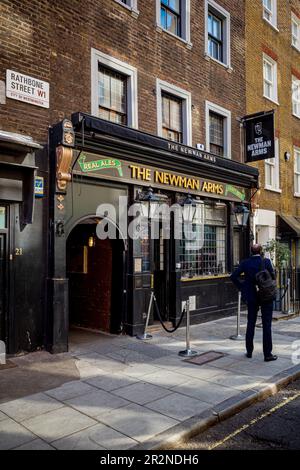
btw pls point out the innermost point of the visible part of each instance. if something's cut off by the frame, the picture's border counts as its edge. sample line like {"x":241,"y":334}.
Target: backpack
{"x":265,"y":285}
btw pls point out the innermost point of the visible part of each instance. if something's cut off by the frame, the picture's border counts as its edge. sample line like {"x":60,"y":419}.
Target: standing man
{"x":250,"y":267}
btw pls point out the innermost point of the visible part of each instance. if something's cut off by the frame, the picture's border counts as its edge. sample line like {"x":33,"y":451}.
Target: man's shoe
{"x":270,"y":358}
{"x":249,"y":355}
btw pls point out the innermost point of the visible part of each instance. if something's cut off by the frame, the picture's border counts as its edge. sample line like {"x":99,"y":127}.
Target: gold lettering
{"x":159,"y":177}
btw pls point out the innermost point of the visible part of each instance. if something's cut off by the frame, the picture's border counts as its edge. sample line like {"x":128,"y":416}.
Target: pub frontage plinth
{"x":105,"y":284}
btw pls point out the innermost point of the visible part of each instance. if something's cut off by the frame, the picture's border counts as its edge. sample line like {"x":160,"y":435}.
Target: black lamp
{"x":189,"y":205}
{"x":149,"y":203}
{"x":241,"y":213}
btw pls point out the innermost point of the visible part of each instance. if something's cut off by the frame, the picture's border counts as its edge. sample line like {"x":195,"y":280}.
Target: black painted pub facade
{"x":54,"y":270}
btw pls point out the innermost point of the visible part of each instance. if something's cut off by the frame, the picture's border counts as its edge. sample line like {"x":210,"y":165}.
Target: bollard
{"x":238,"y":335}
{"x":147,"y":335}
{"x":188,"y":352}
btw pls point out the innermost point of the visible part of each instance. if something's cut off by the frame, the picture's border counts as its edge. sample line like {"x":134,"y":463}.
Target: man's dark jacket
{"x":250,"y":267}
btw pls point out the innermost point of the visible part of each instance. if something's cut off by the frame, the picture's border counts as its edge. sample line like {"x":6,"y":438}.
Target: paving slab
{"x":37,"y":444}
{"x":205,"y":391}
{"x":165,"y":378}
{"x":57,"y":424}
{"x":13,"y":434}
{"x":236,"y":380}
{"x":98,"y":437}
{"x":142,"y":392}
{"x":96,"y":402}
{"x":28,"y":407}
{"x":110,"y":382}
{"x":137,"y":422}
{"x":70,"y":390}
{"x":178,"y":406}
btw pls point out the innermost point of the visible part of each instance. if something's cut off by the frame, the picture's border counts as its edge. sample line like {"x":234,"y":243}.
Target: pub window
{"x":216,"y":133}
{"x":272,"y":170}
{"x":114,"y":89}
{"x":217,"y":42}
{"x":112,"y":96}
{"x":206,"y":255}
{"x":270,"y":11}
{"x":215,"y":37}
{"x":295,"y":31}
{"x":218,"y":130}
{"x":171,"y":117}
{"x":297,"y":170}
{"x":296,"y":96}
{"x":170,"y":16}
{"x":270,"y":78}
{"x":174,"y":112}
{"x":2,"y":217}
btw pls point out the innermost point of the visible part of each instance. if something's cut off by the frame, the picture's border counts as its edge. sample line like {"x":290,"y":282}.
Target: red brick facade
{"x":52,"y":41}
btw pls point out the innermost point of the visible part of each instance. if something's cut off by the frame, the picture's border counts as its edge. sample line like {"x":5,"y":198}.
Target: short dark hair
{"x":256,"y":249}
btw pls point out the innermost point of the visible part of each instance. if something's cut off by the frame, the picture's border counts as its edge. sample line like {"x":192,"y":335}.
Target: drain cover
{"x":205,"y":358}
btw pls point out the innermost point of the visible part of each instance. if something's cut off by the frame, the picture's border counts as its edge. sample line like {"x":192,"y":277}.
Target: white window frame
{"x":295,"y":100}
{"x":274,"y":163}
{"x":185,"y":22}
{"x":186,"y":97}
{"x":296,"y":173}
{"x":98,"y":57}
{"x":131,"y":5}
{"x":224,"y":15}
{"x":212,"y":107}
{"x":272,"y":13}
{"x":274,"y":83}
{"x":296,"y":20}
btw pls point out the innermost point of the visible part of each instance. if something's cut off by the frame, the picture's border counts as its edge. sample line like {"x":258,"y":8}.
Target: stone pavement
{"x":135,"y":394}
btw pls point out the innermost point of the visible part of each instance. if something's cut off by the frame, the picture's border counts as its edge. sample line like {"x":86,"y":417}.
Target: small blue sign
{"x":39,"y":186}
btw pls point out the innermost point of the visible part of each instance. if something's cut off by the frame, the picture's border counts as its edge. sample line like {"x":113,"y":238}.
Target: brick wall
{"x":261,"y":37}
{"x":52,"y":40}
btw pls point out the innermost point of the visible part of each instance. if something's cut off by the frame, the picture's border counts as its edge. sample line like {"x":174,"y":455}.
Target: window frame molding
{"x":276,"y":188}
{"x":296,"y":19}
{"x":185,"y":17}
{"x":212,"y":107}
{"x":132,"y":7}
{"x":296,"y":150}
{"x":274,"y":64}
{"x":295,"y":79}
{"x":186,"y":97}
{"x":274,"y":14}
{"x":224,"y":15}
{"x":132,"y":84}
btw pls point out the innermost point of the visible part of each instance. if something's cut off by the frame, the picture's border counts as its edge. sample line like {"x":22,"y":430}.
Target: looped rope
{"x":161,"y":321}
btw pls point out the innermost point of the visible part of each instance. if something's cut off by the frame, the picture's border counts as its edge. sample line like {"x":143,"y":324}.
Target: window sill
{"x":271,"y":24}
{"x":134,"y":12}
{"x":203,"y":278}
{"x":274,"y":190}
{"x":296,"y":48}
{"x":272,"y":100}
{"x":296,"y":194}
{"x":296,"y":115}
{"x":160,"y":29}
{"x":226,"y":66}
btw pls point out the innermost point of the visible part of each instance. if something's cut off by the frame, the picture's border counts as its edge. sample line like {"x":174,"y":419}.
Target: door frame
{"x":8,"y":294}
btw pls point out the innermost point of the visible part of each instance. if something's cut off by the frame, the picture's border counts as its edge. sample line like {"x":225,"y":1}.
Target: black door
{"x":2,"y":284}
{"x":161,"y":274}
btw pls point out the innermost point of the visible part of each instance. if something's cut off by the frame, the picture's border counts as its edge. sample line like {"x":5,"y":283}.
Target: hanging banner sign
{"x":28,"y":89}
{"x":259,"y":137}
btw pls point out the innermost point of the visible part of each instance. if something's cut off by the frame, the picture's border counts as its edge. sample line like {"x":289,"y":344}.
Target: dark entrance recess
{"x":3,"y":269}
{"x":161,"y":258}
{"x":95,"y":272}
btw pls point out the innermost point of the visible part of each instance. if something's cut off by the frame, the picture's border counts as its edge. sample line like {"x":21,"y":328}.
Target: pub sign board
{"x":259,"y":137}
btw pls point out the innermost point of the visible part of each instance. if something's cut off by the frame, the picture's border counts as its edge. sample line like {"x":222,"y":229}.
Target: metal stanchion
{"x":238,"y":335}
{"x":147,"y":335}
{"x":188,"y":352}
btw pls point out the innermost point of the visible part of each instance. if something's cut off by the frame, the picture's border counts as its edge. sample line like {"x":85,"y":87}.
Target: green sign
{"x":236,"y":192}
{"x":103,"y":164}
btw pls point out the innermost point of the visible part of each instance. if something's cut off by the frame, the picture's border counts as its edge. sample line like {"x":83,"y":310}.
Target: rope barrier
{"x":161,"y":321}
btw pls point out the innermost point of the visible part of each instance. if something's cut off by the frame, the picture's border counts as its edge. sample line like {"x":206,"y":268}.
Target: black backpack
{"x":265,"y":285}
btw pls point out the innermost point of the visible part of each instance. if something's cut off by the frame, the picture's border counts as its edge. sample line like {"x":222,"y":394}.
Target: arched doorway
{"x":95,"y":269}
